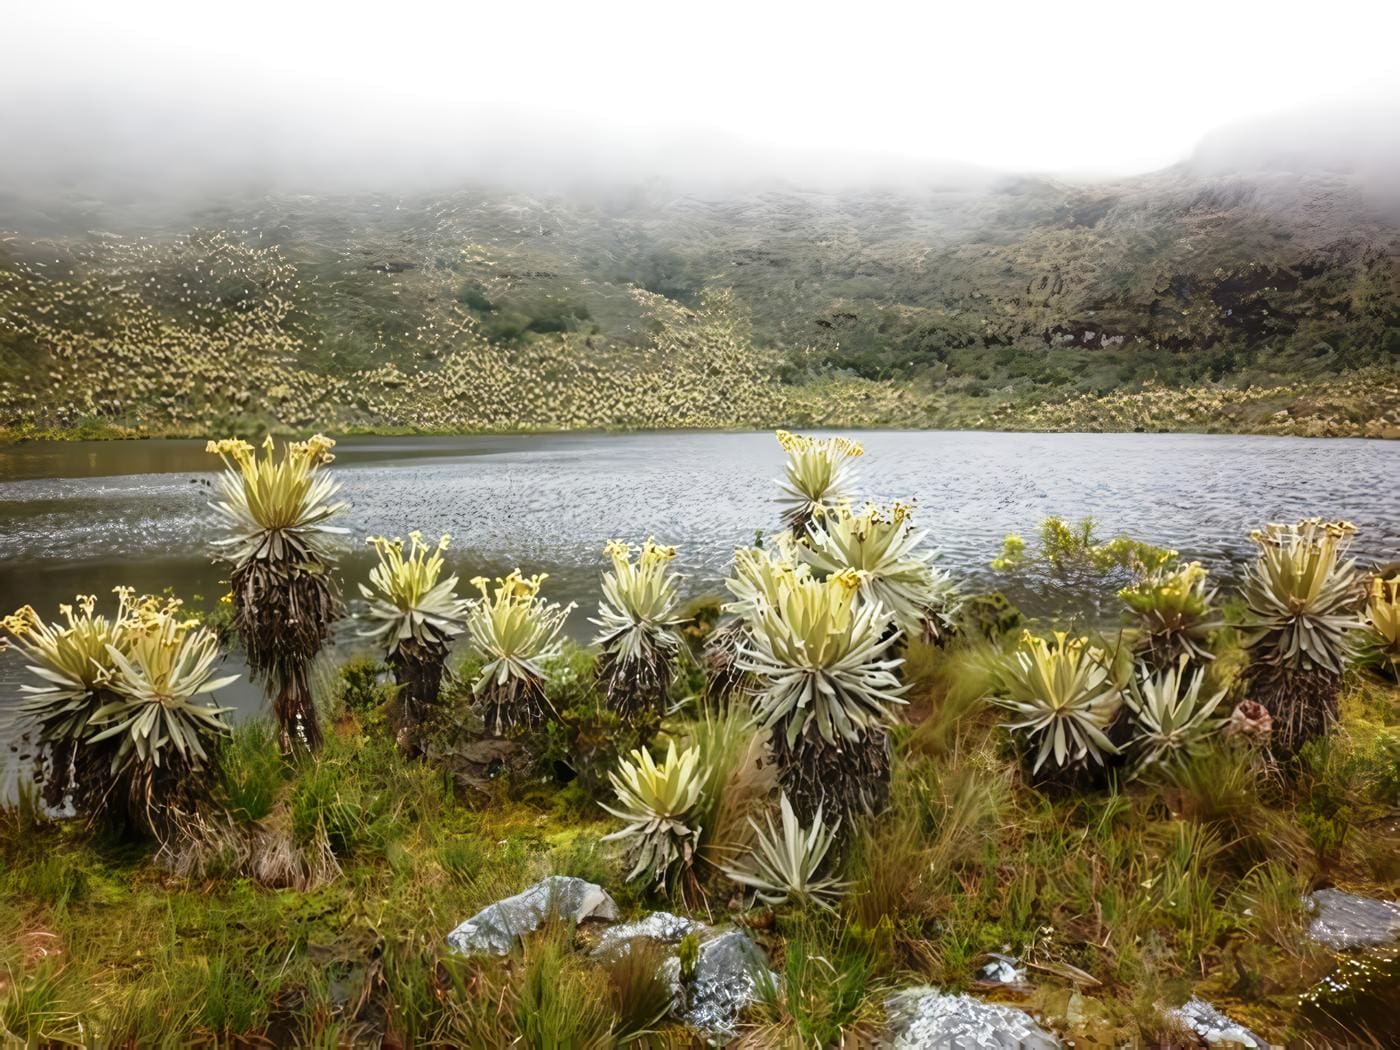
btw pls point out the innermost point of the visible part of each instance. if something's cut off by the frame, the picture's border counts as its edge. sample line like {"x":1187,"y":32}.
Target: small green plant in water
{"x":1076,"y":550}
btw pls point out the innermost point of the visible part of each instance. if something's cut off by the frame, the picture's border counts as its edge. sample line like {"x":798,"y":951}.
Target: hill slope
{"x":1267,"y":301}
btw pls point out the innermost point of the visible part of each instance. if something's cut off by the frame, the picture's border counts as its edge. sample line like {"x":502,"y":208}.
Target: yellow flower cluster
{"x":406,"y":580}
{"x":513,"y":627}
{"x":1312,"y":533}
{"x":650,"y":553}
{"x":20,"y":622}
{"x":514,"y":588}
{"x":265,"y":494}
{"x":833,"y":447}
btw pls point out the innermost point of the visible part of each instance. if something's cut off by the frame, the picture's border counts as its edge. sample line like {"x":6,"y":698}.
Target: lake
{"x":86,"y":516}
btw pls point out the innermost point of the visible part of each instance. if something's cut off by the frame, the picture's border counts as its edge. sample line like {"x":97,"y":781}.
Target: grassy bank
{"x":1365,"y":403}
{"x":1120,"y":899}
{"x":1136,"y":813}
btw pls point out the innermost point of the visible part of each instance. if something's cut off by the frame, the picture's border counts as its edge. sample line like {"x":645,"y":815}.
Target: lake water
{"x":86,"y":516}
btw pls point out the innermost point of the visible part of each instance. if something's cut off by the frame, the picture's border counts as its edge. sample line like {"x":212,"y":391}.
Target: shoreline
{"x":118,"y":433}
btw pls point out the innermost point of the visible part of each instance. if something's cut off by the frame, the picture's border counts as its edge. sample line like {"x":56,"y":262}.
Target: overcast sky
{"x":1090,"y":88}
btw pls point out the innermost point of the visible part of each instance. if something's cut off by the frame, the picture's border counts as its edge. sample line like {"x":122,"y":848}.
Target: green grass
{"x":1188,"y":881}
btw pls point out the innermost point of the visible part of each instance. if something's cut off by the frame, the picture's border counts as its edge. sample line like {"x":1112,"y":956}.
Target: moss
{"x":1124,"y":897}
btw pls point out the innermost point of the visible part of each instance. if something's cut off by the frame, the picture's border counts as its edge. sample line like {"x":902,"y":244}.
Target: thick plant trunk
{"x":1302,"y":704}
{"x":846,"y":779}
{"x":636,"y":689}
{"x":418,"y":669}
{"x":724,"y":680}
{"x":295,"y":711}
{"x":283,"y":615}
{"x":515,"y":707}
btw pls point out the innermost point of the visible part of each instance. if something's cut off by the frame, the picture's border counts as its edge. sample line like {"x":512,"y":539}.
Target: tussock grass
{"x":316,"y":910}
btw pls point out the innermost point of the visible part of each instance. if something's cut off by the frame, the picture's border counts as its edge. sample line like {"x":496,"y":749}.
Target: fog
{"x":143,"y":96}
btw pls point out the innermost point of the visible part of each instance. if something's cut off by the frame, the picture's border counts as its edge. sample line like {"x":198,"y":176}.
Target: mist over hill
{"x":1253,"y":286}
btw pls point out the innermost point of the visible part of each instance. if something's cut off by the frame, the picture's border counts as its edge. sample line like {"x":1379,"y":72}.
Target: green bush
{"x":364,"y":686}
{"x":584,"y":737}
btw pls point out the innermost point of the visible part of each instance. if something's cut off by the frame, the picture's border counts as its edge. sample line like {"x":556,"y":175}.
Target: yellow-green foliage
{"x":513,"y":628}
{"x":1364,"y":403}
{"x":822,"y":659}
{"x":73,"y":659}
{"x":164,"y":665}
{"x":1175,"y":611}
{"x":818,"y":474}
{"x":1380,"y":645}
{"x":1304,"y":599}
{"x":132,"y":679}
{"x":1064,"y":695}
{"x":657,"y":801}
{"x":276,"y":508}
{"x":1066,"y":549}
{"x":895,"y":570}
{"x":785,"y":864}
{"x":640,"y":599}
{"x":1172,"y":720}
{"x":408,"y":597}
{"x":759,"y":572}
{"x":189,"y":335}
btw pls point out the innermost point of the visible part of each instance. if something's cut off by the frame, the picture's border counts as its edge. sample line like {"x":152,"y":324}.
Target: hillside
{"x":1186,"y":299}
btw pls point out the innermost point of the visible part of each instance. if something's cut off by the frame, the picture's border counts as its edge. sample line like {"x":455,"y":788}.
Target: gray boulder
{"x":728,"y":974}
{"x":729,"y":969}
{"x":496,"y":928}
{"x":659,"y":926}
{"x":927,"y":1019}
{"x":1214,"y":1027}
{"x":1343,"y":921}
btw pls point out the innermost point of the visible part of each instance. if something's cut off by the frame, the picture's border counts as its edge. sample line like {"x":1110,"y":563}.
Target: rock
{"x":1002,"y":970}
{"x":927,"y":1019}
{"x":728,"y":969}
{"x":726,"y":979}
{"x":498,"y":926}
{"x":658,"y":926}
{"x":1343,"y":921}
{"x":1214,"y":1027}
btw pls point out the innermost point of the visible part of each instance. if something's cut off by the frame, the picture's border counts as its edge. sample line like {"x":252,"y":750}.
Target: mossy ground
{"x":1118,"y":898}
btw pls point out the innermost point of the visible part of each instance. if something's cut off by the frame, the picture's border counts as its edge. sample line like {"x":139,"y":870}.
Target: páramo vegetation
{"x":882,"y":778}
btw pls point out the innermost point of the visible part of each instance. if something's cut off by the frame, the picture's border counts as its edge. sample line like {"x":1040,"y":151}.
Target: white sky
{"x":1103,"y":87}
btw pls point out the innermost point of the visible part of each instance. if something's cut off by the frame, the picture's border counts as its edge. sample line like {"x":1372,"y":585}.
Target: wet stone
{"x":658,"y":926}
{"x":927,"y":1019}
{"x":1343,"y":921}
{"x":1214,"y":1028}
{"x":726,"y":979}
{"x":1002,"y":970}
{"x":728,"y":969}
{"x":496,"y":928}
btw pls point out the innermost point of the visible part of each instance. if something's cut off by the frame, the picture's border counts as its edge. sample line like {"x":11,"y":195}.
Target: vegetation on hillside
{"x":1136,"y":815}
{"x":1167,"y":302}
